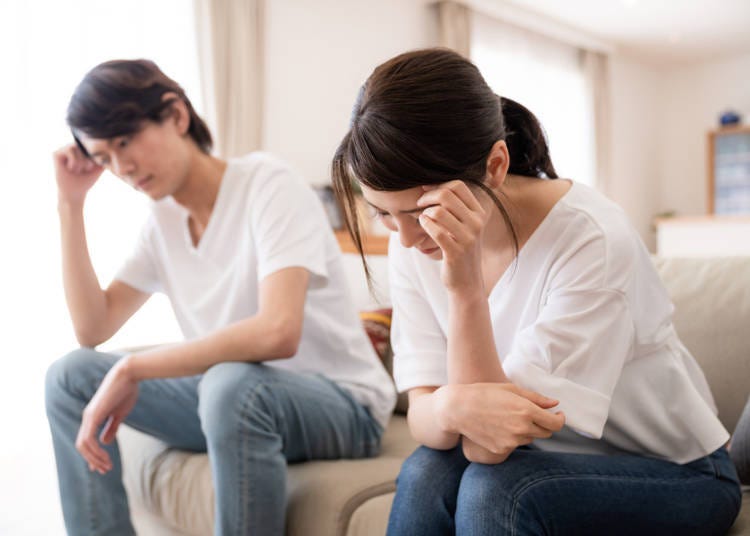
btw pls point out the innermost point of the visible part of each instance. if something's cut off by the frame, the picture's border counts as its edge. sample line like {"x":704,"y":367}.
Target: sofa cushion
{"x":712,"y":317}
{"x":176,"y":485}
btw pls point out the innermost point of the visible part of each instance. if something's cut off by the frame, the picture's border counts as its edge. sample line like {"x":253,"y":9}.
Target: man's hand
{"x":111,"y":404}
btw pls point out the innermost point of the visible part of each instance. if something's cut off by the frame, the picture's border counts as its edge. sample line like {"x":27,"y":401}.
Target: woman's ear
{"x":498,"y":163}
{"x":179,"y":113}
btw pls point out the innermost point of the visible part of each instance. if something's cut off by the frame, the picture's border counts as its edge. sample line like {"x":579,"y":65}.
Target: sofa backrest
{"x":712,"y":317}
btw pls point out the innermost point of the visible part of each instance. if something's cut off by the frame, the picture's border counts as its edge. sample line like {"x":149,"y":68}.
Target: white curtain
{"x":454,"y":22}
{"x":230,"y":50}
{"x":596,"y":74}
{"x":563,"y":85}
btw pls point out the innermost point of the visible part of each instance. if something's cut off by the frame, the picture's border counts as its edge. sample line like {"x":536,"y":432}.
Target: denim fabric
{"x":251,"y":419}
{"x":537,"y":492}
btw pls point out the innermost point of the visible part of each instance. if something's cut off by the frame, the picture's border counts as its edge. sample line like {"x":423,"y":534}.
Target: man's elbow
{"x":89,"y":338}
{"x":287,"y":337}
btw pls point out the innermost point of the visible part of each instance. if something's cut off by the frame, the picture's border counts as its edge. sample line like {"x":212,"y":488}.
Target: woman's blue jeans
{"x":251,"y":419}
{"x":537,"y":492}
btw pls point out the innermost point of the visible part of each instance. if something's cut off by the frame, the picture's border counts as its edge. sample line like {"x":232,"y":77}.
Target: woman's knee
{"x":430,"y":473}
{"x":505,"y":497}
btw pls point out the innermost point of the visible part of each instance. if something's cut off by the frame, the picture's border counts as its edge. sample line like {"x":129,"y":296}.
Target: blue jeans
{"x":251,"y":419}
{"x":537,"y":492}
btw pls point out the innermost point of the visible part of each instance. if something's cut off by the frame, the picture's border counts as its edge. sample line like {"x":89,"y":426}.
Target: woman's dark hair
{"x":428,"y":117}
{"x":117,"y":97}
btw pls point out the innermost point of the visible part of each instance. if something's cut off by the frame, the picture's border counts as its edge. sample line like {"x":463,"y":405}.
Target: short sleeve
{"x":576,"y":348}
{"x":419,"y":344}
{"x":140,"y":269}
{"x":289,"y":226}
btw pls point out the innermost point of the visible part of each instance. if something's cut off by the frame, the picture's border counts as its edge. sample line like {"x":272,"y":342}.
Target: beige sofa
{"x":171,"y":493}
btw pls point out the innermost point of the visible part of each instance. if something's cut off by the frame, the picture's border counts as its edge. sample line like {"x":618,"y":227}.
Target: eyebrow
{"x":411,"y":211}
{"x":99,"y":153}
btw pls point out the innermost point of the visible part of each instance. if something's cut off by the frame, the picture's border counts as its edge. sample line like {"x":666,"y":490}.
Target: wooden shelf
{"x":719,"y":164}
{"x":373,"y":244}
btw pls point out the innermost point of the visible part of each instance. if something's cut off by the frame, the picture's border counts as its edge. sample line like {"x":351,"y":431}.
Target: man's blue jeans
{"x":537,"y":492}
{"x":251,"y":419}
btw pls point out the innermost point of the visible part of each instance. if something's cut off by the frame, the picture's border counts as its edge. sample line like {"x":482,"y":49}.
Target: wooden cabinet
{"x":729,"y":171}
{"x":373,"y":244}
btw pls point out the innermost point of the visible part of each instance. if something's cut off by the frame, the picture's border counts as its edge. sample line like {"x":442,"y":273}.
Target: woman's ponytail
{"x":526,"y":140}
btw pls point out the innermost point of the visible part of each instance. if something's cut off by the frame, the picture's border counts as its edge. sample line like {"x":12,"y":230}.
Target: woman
{"x":267,"y":374}
{"x":546,"y":383}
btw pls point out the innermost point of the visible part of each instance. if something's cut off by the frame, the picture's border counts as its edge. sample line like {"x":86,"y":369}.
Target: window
{"x":48,"y":47}
{"x":547,"y":77}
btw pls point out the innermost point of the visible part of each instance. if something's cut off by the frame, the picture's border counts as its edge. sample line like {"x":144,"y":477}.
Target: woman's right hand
{"x":496,"y":418}
{"x":75,"y":173}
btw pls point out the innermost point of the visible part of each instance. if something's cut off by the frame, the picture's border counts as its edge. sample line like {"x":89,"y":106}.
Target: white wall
{"x":693,"y":98}
{"x":318,"y":55}
{"x":635,"y":110}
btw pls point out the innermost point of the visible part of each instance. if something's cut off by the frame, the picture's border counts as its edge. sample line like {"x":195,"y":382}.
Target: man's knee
{"x":235,"y":398}
{"x":82,"y":369}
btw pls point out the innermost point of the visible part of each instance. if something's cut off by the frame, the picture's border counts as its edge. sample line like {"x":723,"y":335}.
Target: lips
{"x":143,"y":182}
{"x":429,"y":251}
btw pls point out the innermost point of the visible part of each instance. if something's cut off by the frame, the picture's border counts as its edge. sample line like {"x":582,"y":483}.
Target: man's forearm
{"x":84,"y":296}
{"x":254,"y":339}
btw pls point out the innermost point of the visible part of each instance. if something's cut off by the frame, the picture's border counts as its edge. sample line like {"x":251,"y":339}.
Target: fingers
{"x":532,"y":396}
{"x":88,"y":446}
{"x":551,"y":421}
{"x":466,"y":210}
{"x":109,"y":431}
{"x":446,"y":222}
{"x":72,"y":159}
{"x":538,"y":410}
{"x":449,"y":193}
{"x":444,"y":240}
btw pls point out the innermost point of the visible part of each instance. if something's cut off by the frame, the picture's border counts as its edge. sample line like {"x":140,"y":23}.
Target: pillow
{"x":377,"y":324}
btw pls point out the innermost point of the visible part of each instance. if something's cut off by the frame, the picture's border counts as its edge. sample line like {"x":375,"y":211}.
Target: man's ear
{"x":179,"y":113}
{"x":498,"y":162}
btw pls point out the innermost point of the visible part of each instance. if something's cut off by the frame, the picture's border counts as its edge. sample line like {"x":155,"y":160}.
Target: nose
{"x":410,"y":232}
{"x":123,"y":168}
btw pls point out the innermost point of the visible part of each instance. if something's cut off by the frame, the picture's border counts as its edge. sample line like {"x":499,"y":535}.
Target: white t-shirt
{"x":582,"y":317}
{"x":265,"y":219}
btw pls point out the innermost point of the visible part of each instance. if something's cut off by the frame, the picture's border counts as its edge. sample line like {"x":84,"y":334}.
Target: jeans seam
{"x":526,"y":487}
{"x":250,"y":395}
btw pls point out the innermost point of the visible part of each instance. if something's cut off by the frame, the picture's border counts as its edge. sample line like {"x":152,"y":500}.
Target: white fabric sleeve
{"x":139,"y":270}
{"x":289,"y":226}
{"x":419,"y":344}
{"x":576,"y":349}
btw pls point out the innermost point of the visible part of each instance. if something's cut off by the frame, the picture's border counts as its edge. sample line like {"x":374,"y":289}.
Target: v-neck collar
{"x":501,"y":282}
{"x":205,"y":238}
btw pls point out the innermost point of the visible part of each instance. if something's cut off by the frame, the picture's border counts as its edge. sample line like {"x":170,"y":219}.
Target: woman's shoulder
{"x":594,"y":232}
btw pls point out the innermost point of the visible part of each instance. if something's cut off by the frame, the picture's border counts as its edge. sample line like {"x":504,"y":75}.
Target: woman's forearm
{"x":430,"y":420}
{"x":472,"y":356}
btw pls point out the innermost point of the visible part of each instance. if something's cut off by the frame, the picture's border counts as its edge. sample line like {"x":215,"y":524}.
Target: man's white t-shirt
{"x":581,"y":317}
{"x":265,"y":219}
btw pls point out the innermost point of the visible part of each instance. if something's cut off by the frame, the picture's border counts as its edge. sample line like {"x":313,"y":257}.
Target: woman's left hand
{"x":455,"y":220}
{"x":111,"y":404}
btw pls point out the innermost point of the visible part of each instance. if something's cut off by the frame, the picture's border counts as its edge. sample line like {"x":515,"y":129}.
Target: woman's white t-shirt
{"x":581,"y":317}
{"x":265,"y":219}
